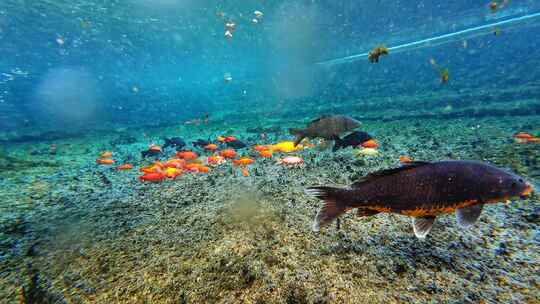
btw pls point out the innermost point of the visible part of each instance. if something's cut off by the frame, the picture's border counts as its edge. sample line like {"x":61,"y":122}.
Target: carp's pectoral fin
{"x":467,"y":216}
{"x":422,"y":225}
{"x":366,"y":212}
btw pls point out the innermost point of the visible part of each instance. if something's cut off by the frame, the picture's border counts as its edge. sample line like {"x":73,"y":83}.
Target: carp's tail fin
{"x":333,"y":205}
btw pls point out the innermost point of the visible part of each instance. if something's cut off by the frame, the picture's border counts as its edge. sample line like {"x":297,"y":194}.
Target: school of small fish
{"x":421,"y":190}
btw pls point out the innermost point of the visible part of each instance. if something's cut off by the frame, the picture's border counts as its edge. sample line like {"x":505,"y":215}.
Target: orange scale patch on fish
{"x":419,"y":212}
{"x":380,"y":209}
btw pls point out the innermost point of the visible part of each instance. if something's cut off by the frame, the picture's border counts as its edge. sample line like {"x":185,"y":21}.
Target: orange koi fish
{"x":106,"y":154}
{"x":197,"y":168}
{"x":265,"y":154}
{"x":370,"y":144}
{"x":215,"y":160}
{"x":175,"y":163}
{"x":155,"y":168}
{"x":260,"y":148}
{"x":242,"y":162}
{"x":203,"y":169}
{"x":211,"y":147}
{"x":104,"y":161}
{"x":155,"y":149}
{"x":187,"y":155}
{"x":124,"y":167}
{"x":405,"y":159}
{"x":228,"y":153}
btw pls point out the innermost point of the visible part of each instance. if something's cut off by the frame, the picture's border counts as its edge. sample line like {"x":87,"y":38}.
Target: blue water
{"x":139,"y":62}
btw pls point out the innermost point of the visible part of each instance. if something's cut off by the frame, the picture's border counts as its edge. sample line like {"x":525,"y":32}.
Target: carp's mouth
{"x":527,"y":192}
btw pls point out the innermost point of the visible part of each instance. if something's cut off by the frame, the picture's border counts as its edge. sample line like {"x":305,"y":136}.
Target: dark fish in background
{"x":236,"y":144}
{"x":201,"y":143}
{"x":354,"y":139}
{"x":423,"y":190}
{"x":150,"y":153}
{"x":174,"y":142}
{"x":328,"y":127}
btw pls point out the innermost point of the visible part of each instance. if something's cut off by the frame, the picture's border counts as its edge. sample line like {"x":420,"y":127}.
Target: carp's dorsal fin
{"x":467,"y":216}
{"x":422,"y":225}
{"x":319,"y":118}
{"x":386,"y":172}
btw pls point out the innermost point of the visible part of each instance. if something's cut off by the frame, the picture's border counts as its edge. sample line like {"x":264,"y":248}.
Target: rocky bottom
{"x":76,"y":233}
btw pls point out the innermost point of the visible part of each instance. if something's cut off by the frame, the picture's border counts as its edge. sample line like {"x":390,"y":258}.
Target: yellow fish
{"x":285,"y":147}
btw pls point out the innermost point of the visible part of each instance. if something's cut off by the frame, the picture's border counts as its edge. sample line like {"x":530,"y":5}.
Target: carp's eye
{"x":521,"y":180}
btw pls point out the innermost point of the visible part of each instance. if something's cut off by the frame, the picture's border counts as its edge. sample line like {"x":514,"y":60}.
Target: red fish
{"x":523,"y":135}
{"x":230,"y":139}
{"x":152,"y":177}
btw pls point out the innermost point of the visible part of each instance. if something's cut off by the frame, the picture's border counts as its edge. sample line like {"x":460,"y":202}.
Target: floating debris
{"x":377,"y":52}
{"x":227,"y":77}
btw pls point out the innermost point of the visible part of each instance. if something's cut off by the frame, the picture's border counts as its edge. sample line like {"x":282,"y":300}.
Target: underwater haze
{"x":168,"y":151}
